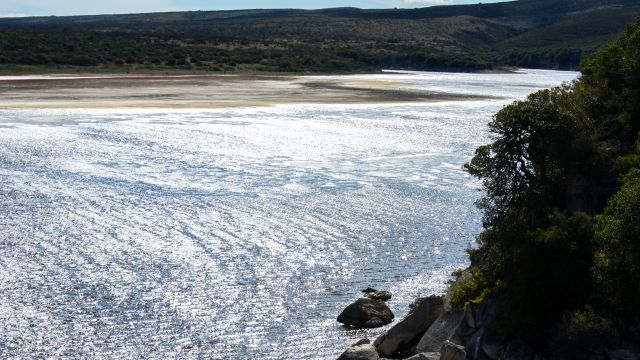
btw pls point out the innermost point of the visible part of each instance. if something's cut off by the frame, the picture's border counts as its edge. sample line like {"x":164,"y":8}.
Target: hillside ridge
{"x":523,"y":33}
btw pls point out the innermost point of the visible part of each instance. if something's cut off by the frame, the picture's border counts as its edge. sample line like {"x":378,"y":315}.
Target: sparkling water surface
{"x":234,"y":233}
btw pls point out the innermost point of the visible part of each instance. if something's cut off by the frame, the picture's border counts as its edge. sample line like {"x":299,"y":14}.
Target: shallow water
{"x":234,"y":233}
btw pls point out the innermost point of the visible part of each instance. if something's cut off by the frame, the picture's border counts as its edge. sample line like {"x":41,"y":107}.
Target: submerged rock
{"x":366,"y":313}
{"x":372,"y":293}
{"x":412,"y":326}
{"x":360,"y":352}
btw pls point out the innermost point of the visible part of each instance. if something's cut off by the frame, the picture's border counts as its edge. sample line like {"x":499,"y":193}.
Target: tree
{"x":524,"y":167}
{"x":554,"y":161}
{"x":617,"y":257}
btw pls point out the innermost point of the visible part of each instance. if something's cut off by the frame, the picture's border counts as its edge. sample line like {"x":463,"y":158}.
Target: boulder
{"x":372,"y":293}
{"x":517,"y":350}
{"x":623,"y":354}
{"x":425,"y":356}
{"x":470,"y":316}
{"x":451,"y":351}
{"x":362,"y":342}
{"x":467,"y":326}
{"x":421,"y":316}
{"x":485,"y":344}
{"x":492,"y":344}
{"x":473,"y":346}
{"x":442,"y":329}
{"x":366,"y":313}
{"x":486,"y":311}
{"x":360,"y":352}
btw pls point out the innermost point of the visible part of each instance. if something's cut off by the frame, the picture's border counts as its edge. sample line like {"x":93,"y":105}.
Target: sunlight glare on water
{"x":234,"y":233}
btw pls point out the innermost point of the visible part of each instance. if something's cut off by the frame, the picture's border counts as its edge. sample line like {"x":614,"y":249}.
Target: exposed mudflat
{"x":203,"y":91}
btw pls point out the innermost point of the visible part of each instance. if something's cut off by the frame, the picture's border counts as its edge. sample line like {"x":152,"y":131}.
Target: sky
{"x":91,"y":7}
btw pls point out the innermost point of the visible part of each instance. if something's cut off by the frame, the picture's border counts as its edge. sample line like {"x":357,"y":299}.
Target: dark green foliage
{"x":524,"y":167}
{"x":555,"y":161}
{"x":612,"y":81}
{"x":473,"y":37}
{"x":617,"y":262}
{"x":582,"y":333}
{"x":547,"y":273}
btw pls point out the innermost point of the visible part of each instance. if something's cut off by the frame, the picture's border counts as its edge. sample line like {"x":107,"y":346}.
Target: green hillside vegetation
{"x":561,"y":242}
{"x":525,"y":33}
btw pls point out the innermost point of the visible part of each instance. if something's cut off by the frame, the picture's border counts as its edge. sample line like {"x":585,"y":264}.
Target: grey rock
{"x":362,"y":342}
{"x":470,"y":316}
{"x":492,"y":344}
{"x":360,"y":352}
{"x":425,"y":356}
{"x":474,"y":345}
{"x":451,"y":351}
{"x":442,"y":329}
{"x":467,"y":326}
{"x":485,"y":344}
{"x":623,"y":354}
{"x":517,"y":350}
{"x":423,"y":314}
{"x":366,"y":313}
{"x":372,"y":293}
{"x":486,"y":311}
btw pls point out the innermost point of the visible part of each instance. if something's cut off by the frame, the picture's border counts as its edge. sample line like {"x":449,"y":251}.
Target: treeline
{"x":561,"y":239}
{"x":117,"y":50}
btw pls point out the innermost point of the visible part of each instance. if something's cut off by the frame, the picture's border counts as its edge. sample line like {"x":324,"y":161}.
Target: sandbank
{"x":201,"y":91}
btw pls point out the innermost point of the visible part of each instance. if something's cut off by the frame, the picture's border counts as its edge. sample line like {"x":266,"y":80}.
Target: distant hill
{"x":531,"y":33}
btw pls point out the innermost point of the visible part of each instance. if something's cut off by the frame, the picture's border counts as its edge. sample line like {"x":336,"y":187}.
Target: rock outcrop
{"x":451,"y":351}
{"x":360,"y":352}
{"x":430,"y":333}
{"x":486,"y":311}
{"x":442,"y":329}
{"x":366,"y":313}
{"x":423,"y":314}
{"x":492,"y":344}
{"x":517,"y":350}
{"x":372,"y":293}
{"x":425,"y":356}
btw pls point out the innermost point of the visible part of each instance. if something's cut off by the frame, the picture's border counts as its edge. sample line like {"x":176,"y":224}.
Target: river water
{"x":234,"y":233}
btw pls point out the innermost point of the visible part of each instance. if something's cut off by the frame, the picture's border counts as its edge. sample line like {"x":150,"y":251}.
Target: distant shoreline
{"x":45,"y":91}
{"x":15,"y":70}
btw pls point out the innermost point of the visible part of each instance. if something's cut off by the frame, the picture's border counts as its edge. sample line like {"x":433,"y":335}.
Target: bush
{"x":581,"y":333}
{"x":469,"y":286}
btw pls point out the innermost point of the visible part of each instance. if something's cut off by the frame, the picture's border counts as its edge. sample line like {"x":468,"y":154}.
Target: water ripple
{"x":232,"y":233}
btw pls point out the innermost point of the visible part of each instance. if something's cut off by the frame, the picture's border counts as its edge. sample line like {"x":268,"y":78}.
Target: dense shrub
{"x":581,"y":333}
{"x":617,"y":261}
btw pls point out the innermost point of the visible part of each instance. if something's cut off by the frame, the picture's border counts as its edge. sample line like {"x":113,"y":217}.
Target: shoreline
{"x":104,"y":91}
